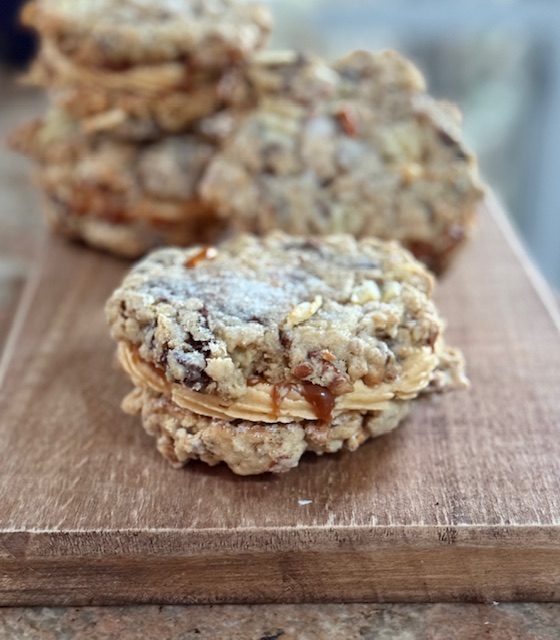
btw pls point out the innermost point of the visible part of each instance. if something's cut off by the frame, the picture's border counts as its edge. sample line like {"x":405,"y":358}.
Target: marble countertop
{"x":20,"y":228}
{"x":287,"y":622}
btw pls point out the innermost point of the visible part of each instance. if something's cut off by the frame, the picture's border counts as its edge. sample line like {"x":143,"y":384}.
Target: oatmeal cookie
{"x":118,"y":34}
{"x":262,"y":348}
{"x":139,"y":69}
{"x":372,"y":155}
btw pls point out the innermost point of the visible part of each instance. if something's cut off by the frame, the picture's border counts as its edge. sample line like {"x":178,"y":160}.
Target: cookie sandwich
{"x":141,"y":69}
{"x":260,"y":349}
{"x":356,"y":147}
{"x":123,"y":197}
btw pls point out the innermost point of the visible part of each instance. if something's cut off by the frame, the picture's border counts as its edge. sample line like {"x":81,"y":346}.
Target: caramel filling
{"x":287,"y":402}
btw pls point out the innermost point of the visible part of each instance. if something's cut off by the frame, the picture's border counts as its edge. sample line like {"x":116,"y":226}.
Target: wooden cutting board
{"x":462,"y":502}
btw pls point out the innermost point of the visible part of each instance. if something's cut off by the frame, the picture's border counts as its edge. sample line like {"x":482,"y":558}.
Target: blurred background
{"x":498,"y":60}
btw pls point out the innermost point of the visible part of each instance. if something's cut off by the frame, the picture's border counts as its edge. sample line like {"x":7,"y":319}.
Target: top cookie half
{"x":122,"y":33}
{"x":352,"y":317}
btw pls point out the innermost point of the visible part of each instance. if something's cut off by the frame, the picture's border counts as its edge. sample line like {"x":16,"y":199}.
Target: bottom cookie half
{"x":130,"y":238}
{"x":250,"y":448}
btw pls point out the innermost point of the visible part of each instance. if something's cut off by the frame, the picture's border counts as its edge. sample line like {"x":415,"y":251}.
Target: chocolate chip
{"x":285,"y":339}
{"x":193,"y":367}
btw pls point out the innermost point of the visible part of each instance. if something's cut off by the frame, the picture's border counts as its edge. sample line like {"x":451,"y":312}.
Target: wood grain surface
{"x":459,"y":503}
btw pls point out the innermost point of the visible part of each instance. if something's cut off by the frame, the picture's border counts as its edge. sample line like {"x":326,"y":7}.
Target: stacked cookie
{"x":121,"y":196}
{"x":143,"y":68}
{"x":299,"y":145}
{"x":122,"y":150}
{"x":169,"y":127}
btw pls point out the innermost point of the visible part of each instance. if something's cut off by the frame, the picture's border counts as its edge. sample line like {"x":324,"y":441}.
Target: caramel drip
{"x":279,"y":392}
{"x":206,"y":253}
{"x":321,"y":400}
